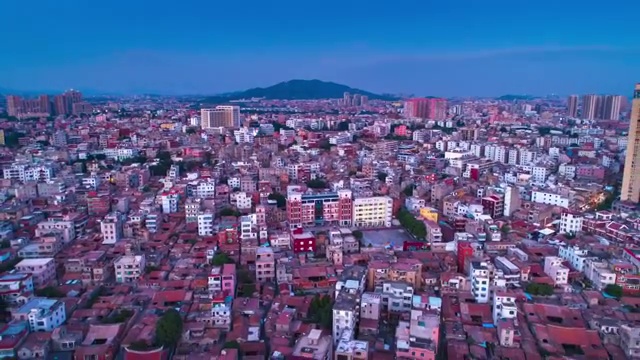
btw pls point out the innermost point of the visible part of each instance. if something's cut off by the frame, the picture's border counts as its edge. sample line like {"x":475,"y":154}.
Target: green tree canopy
{"x":539,"y":289}
{"x":279,"y":198}
{"x":317,"y":184}
{"x":614,"y":290}
{"x":169,"y":328}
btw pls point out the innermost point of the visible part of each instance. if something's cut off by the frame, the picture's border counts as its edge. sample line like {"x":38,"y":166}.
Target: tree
{"x":247,"y":290}
{"x":358,"y":235}
{"x":169,"y":328}
{"x":220,"y":259}
{"x":50,"y":292}
{"x":191,"y":131}
{"x":279,"y":198}
{"x":505,"y":229}
{"x":343,"y":126}
{"x":321,"y":311}
{"x":317,"y":184}
{"x":324,"y":144}
{"x":139,"y":345}
{"x":120,"y":316}
{"x":408,"y":191}
{"x":411,"y":224}
{"x":539,"y":289}
{"x":229,"y":212}
{"x":382,"y":176}
{"x":503,"y":129}
{"x":614,"y":290}
{"x":231,"y":345}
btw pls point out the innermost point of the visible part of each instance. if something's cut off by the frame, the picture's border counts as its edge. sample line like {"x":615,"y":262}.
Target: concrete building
{"x":374,"y":211}
{"x":129,"y":268}
{"x":16,"y":288}
{"x":396,"y":296}
{"x":220,"y":117}
{"x":479,"y":277}
{"x":65,"y":228}
{"x":572,"y":106}
{"x":265,"y":265}
{"x":41,"y":314}
{"x":570,"y":223}
{"x":205,"y":223}
{"x":556,"y":271}
{"x":43,"y":271}
{"x":223,"y":278}
{"x":313,"y":346}
{"x":631,"y":179}
{"x":111,"y":228}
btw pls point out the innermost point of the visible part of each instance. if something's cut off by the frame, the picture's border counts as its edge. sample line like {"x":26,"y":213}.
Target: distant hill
{"x":515,"y":97}
{"x":298,"y":90}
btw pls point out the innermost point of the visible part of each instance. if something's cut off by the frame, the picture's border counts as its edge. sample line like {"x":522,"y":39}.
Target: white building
{"x":597,"y":271}
{"x":570,"y":223}
{"x":575,"y":256}
{"x":241,"y":200}
{"x":206,"y":189}
{"x":550,"y":198}
{"x":373,"y":211}
{"x":42,"y":314}
{"x":28,"y":172}
{"x":504,"y":307}
{"x":129,"y":268}
{"x":556,"y":271}
{"x":396,"y":296}
{"x":111,"y":229}
{"x":119,"y":154}
{"x":169,"y":202}
{"x":249,"y":227}
{"x":205,"y":223}
{"x":479,"y":276}
{"x":539,"y":174}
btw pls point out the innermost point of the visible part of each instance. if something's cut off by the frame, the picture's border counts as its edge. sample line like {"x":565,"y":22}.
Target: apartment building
{"x":42,"y":270}
{"x":66,"y":229}
{"x":205,"y":223}
{"x":129,"y":268}
{"x":265,"y":265}
{"x":41,"y":314}
{"x":111,"y":228}
{"x":396,"y":296}
{"x":223,"y":278}
{"x":28,"y":172}
{"x":372,"y":211}
{"x":479,"y":277}
{"x":554,"y":268}
{"x":313,"y":209}
{"x":169,"y":202}
{"x":570,"y":222}
{"x":418,"y":338}
{"x":16,"y":288}
{"x":576,"y":256}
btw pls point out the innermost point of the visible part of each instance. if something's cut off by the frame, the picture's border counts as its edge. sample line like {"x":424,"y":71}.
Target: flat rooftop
{"x":35,"y":262}
{"x":37,"y":303}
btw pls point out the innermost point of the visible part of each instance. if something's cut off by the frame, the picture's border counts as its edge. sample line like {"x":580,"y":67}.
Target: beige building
{"x":222,"y":116}
{"x":129,"y":268}
{"x":631,"y":179}
{"x":265,"y":265}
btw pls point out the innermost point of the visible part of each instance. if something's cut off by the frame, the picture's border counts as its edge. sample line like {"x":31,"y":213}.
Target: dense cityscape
{"x":310,"y":220}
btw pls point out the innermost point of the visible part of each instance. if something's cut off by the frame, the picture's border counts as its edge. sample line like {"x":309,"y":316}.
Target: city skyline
{"x":435,"y":49}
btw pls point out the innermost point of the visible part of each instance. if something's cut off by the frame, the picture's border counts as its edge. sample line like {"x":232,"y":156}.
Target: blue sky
{"x":443,"y":48}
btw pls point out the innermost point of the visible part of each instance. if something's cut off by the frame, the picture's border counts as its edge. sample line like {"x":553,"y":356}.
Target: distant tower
{"x":590,"y":105}
{"x":612,"y":107}
{"x":572,"y":106}
{"x":631,"y":179}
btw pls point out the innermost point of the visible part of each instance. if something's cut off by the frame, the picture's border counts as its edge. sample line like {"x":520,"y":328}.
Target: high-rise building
{"x":631,"y":179}
{"x":590,"y":104}
{"x":612,"y":106}
{"x":426,"y":108}
{"x":222,"y":116}
{"x":572,"y":106}
{"x":14,"y":105}
{"x":18,"y":106}
{"x":60,"y":104}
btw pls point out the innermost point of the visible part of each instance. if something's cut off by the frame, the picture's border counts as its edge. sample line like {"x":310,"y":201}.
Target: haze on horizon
{"x":443,"y":48}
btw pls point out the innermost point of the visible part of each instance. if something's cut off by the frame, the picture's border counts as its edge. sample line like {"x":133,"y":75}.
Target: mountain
{"x":515,"y":97}
{"x":297,"y":90}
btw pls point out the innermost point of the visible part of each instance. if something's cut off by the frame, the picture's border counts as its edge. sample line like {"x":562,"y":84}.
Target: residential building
{"x":223,"y":278}
{"x":129,"y":268}
{"x":111,"y":228}
{"x":16,"y":288}
{"x":479,"y":277}
{"x":631,"y":179}
{"x":221,"y":117}
{"x":43,"y":270}
{"x":572,"y":106}
{"x":418,"y":338}
{"x":205,"y":223}
{"x":313,"y":346}
{"x":309,"y":209}
{"x":265,"y":265}
{"x":554,"y":268}
{"x":570,"y":222}
{"x":41,"y":314}
{"x":372,"y":211}
{"x":396,"y":296}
